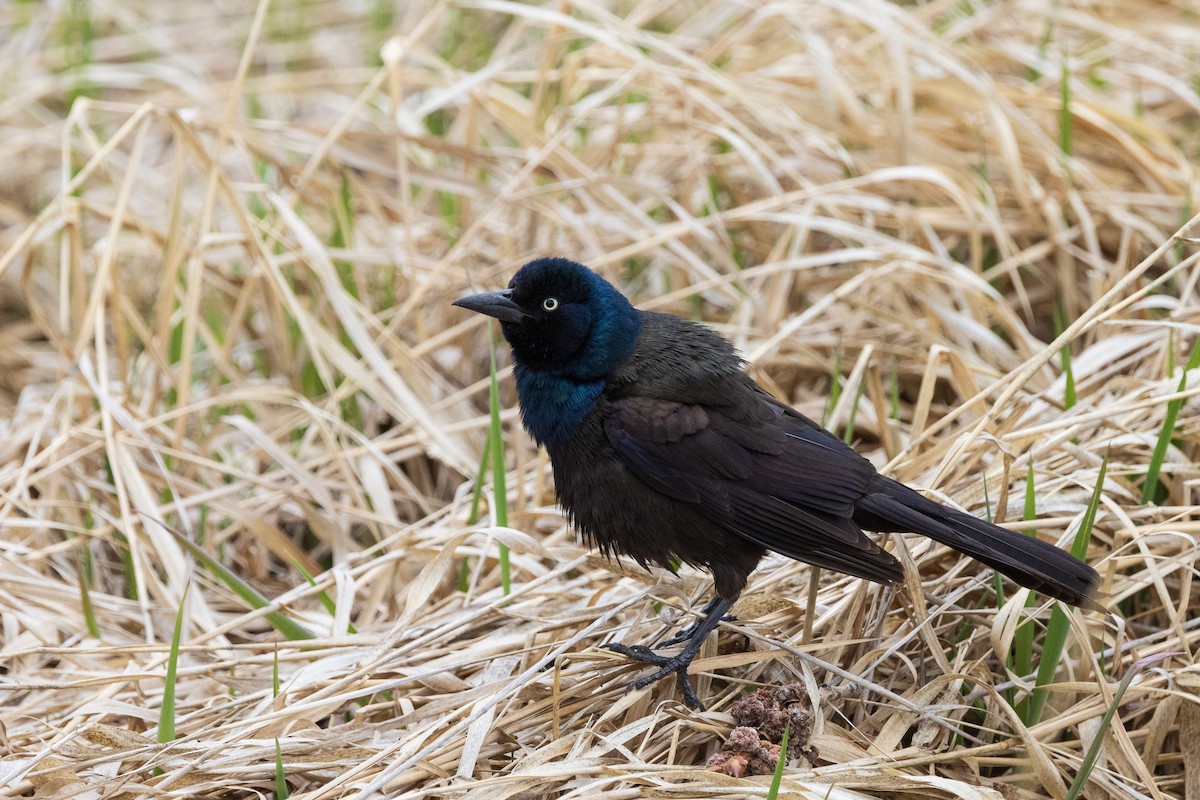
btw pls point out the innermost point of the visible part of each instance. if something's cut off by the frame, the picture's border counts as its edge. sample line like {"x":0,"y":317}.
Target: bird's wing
{"x":770,"y":476}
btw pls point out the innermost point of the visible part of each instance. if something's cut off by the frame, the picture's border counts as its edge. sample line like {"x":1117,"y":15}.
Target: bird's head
{"x":561,"y":318}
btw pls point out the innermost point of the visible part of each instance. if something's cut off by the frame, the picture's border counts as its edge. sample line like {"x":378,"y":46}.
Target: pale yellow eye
{"x":550,"y":303}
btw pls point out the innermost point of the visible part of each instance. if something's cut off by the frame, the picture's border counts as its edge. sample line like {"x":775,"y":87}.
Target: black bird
{"x":665,"y":450}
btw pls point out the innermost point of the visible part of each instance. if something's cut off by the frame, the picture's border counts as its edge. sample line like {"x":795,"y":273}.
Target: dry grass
{"x":229,"y":243}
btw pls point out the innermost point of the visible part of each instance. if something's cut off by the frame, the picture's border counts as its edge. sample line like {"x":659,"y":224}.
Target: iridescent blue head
{"x":568,"y":329}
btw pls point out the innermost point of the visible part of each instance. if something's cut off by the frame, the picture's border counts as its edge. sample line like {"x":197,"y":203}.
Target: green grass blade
{"x":1093,"y":753}
{"x":464,"y":567}
{"x":85,"y":599}
{"x":1056,"y":630}
{"x":1023,"y":637}
{"x":1150,"y":487}
{"x":281,"y":787}
{"x":325,"y":599}
{"x":1170,"y":352}
{"x":1060,"y":325}
{"x":997,"y":580}
{"x":343,"y":235}
{"x":464,"y":575}
{"x":78,"y":38}
{"x":1030,"y":508}
{"x":287,"y":627}
{"x":835,"y":388}
{"x":777,"y":778}
{"x":121,"y":544}
{"x":166,"y":715}
{"x":499,"y":483}
{"x":477,"y":492}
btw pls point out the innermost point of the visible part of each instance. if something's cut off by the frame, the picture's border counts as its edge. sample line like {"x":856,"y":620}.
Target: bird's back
{"x":677,"y":359}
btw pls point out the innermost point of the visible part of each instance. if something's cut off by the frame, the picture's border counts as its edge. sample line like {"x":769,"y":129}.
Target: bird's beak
{"x":495,"y":304}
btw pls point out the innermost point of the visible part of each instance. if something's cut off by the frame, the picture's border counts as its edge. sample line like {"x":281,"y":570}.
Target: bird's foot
{"x":677,"y":664}
{"x":714,"y":612}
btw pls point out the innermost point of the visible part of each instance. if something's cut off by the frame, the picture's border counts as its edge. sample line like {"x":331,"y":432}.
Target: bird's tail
{"x":1029,"y":561}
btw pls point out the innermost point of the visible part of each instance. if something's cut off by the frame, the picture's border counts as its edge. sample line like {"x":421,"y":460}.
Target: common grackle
{"x":665,"y":450}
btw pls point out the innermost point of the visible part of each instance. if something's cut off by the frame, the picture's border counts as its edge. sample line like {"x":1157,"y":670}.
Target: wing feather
{"x":762,"y":471}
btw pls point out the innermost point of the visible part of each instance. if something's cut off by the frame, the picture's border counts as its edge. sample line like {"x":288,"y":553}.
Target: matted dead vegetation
{"x":230,"y":236}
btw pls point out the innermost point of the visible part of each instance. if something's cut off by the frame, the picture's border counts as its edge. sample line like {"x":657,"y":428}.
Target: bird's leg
{"x":687,"y":633}
{"x":678,"y":664}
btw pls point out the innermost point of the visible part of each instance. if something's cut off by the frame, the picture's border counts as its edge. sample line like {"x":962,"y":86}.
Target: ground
{"x":242,"y":429}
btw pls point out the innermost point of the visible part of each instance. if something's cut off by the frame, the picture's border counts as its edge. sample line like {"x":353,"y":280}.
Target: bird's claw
{"x":677,"y":664}
{"x":683,"y":636}
{"x":638,"y":652}
{"x":691,"y":630}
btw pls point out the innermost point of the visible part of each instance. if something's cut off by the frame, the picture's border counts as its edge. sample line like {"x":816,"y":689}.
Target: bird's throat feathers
{"x":552,"y":406}
{"x":563,"y":357}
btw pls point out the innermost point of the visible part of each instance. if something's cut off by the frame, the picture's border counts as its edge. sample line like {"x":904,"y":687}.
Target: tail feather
{"x":1027,"y":560}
